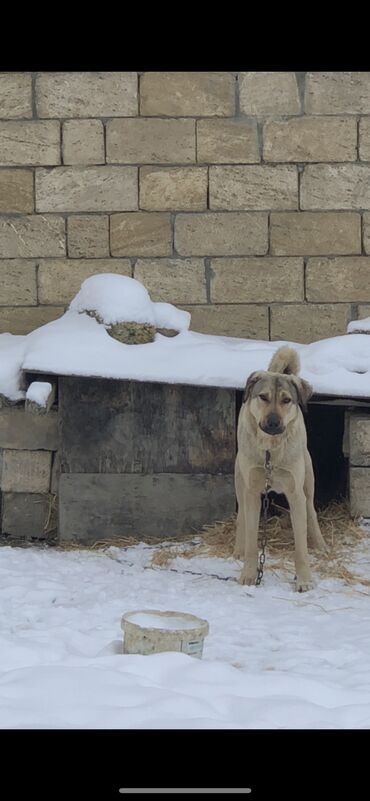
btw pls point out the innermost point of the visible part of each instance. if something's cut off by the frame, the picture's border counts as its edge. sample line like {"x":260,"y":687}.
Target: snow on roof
{"x":76,"y":344}
{"x":359,"y":326}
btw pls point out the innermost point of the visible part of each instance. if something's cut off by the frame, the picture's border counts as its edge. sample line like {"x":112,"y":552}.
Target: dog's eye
{"x":264,"y":398}
{"x":286,"y":400}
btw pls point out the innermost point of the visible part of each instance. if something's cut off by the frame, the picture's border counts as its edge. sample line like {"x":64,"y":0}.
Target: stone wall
{"x":244,"y":198}
{"x":29,"y":474}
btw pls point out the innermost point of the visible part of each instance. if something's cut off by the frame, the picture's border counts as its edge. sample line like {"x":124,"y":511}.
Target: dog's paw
{"x":248,"y":577}
{"x":322,"y":547}
{"x":304,"y":584}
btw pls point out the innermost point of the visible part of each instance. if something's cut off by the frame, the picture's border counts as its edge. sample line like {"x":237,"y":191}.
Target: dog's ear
{"x":252,"y":380}
{"x":304,"y":390}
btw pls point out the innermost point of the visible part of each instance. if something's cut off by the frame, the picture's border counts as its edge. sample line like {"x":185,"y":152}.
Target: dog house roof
{"x":77,"y":345}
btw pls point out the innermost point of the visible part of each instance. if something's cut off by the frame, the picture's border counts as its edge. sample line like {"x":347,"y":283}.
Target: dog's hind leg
{"x":315,"y":538}
{"x":239,"y":549}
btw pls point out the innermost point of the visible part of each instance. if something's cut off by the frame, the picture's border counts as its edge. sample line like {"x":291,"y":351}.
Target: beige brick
{"x":141,"y":234}
{"x":86,"y":94}
{"x":35,"y":142}
{"x":16,"y":191}
{"x":359,"y":439}
{"x":315,"y":233}
{"x":221,"y":234}
{"x":17,"y":433}
{"x":363,"y":310}
{"x":255,"y":188}
{"x":60,"y":280}
{"x":23,"y":319}
{"x":183,"y":188}
{"x":341,"y":279}
{"x":310,"y":139}
{"x":364,"y":132}
{"x":308,"y":322}
{"x":359,"y":491}
{"x":88,"y":236}
{"x":173,"y":280}
{"x":366,"y":232}
{"x":15,"y":95}
{"x":150,"y":141}
{"x":86,"y":189}
{"x":187,"y":94}
{"x":254,"y":280}
{"x":26,"y":471}
{"x":18,"y":283}
{"x":83,"y":142}
{"x":236,"y":320}
{"x":32,"y":236}
{"x":227,"y":142}
{"x":343,"y":186}
{"x":265,"y":93}
{"x":337,"y":93}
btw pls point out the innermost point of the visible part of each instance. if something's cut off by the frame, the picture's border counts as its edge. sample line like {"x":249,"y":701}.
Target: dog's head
{"x":273,"y":399}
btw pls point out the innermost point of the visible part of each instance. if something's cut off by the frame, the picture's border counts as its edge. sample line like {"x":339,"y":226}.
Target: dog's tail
{"x":285,"y":360}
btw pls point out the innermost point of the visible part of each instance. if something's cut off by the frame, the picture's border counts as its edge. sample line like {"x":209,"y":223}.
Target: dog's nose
{"x":273,"y":424}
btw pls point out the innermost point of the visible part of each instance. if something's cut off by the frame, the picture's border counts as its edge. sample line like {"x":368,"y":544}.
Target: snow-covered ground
{"x":272,"y":659}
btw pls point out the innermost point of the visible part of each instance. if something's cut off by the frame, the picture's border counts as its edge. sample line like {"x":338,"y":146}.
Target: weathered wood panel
{"x":101,"y":506}
{"x":109,"y":426}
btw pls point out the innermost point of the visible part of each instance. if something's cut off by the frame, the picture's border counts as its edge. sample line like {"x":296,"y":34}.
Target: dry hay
{"x":341,"y":533}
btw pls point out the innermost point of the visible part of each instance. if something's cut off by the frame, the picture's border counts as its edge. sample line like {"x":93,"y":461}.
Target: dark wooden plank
{"x":109,"y":426}
{"x":101,"y":506}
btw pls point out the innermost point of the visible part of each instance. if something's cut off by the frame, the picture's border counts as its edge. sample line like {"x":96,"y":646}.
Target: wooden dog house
{"x":156,"y":459}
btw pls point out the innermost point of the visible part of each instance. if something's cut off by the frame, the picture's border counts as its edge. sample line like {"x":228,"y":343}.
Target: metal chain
{"x":265,"y":507}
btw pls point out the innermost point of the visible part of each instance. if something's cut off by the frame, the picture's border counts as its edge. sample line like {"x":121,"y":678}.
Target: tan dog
{"x":271,"y":420}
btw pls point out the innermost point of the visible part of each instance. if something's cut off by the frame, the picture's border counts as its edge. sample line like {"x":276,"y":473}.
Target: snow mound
{"x":168,"y":316}
{"x":359,"y":326}
{"x":38,"y":392}
{"x":11,"y":359}
{"x":114,"y":299}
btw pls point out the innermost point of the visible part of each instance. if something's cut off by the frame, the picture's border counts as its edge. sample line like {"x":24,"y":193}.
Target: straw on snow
{"x":341,"y":533}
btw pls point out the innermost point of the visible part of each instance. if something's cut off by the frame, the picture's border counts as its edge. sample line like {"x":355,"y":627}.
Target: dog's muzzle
{"x":272,"y":425}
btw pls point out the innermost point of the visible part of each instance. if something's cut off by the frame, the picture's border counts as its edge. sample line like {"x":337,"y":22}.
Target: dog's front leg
{"x":298,"y":513}
{"x":251,"y":509}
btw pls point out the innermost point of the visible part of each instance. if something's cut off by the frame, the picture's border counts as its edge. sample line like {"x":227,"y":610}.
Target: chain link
{"x":265,"y":508}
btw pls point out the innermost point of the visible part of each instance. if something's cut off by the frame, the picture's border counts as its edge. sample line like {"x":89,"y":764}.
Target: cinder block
{"x":19,"y":432}
{"x":359,"y":439}
{"x":359,"y":491}
{"x":28,"y":515}
{"x":26,"y":471}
